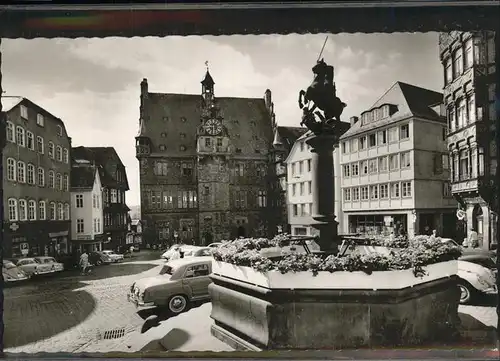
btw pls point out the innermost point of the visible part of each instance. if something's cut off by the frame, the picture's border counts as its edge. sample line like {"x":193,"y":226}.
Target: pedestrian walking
{"x":84,"y":262}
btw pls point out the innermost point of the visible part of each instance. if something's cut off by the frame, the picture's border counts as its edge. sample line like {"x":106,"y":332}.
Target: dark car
{"x":99,"y":258}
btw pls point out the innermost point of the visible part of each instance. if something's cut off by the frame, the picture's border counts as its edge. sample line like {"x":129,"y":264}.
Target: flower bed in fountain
{"x":404,"y":295}
{"x":404,"y":264}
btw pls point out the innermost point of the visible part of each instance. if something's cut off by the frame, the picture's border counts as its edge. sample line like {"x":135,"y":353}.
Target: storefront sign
{"x":84,"y":238}
{"x":14,"y":227}
{"x":24,"y":248}
{"x":58,"y":234}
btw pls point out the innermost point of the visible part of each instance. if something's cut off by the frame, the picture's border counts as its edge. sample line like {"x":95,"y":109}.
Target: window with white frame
{"x":59,"y":131}
{"x":59,"y":181}
{"x":354,"y":169}
{"x":79,"y":201}
{"x":80,"y":226}
{"x":40,"y":120}
{"x":461,"y":113}
{"x":301,"y":167}
{"x":31,"y":210}
{"x":347,"y":194}
{"x":59,"y":153}
{"x":13,"y":210}
{"x":347,"y":170}
{"x":354,"y":145}
{"x":471,"y":108}
{"x":51,"y":150}
{"x":20,"y":136}
{"x":21,"y":172}
{"x":302,"y":188}
{"x":445,"y":160}
{"x":469,"y":55}
{"x":11,"y":169}
{"x":52,"y":211}
{"x":42,"y":210}
{"x":406,"y":189}
{"x":457,"y":63}
{"x":30,"y":140}
{"x":262,"y":199}
{"x":364,"y":193}
{"x":392,"y":134}
{"x":41,"y":177}
{"x":395,"y":190}
{"x":24,"y":112}
{"x":384,"y":191}
{"x":372,"y":140}
{"x":404,"y":131}
{"x":114,"y":196}
{"x":23,"y":210}
{"x":382,"y":137}
{"x":394,"y":161}
{"x":383,"y":164}
{"x":66,"y":212}
{"x":405,"y":160}
{"x":364,"y":167}
{"x":355,"y":194}
{"x":31,"y":173}
{"x":39,"y":145}
{"x":374,"y":192}
{"x":65,"y":156}
{"x":446,"y":189}
{"x":345,"y":147}
{"x":65,"y":185}
{"x":10,"y":132}
{"x":448,"y":71}
{"x":372,"y":166}
{"x":452,"y":120}
{"x":362,"y":142}
{"x":60,"y":211}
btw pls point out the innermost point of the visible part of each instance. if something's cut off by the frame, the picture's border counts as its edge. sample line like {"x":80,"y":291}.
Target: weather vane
{"x":206,"y":64}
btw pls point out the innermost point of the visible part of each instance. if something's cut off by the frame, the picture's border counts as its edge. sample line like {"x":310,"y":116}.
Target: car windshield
{"x":204,"y":252}
{"x":167,"y":270}
{"x":8,"y":265}
{"x":49,"y":260}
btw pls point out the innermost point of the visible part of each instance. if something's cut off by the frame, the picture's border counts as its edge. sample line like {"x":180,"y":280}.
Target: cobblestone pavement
{"x":71,"y":314}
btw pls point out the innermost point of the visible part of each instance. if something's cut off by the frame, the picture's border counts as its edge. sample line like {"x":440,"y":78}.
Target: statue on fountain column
{"x":321,"y":108}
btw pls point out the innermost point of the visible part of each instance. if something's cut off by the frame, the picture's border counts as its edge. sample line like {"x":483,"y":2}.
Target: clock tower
{"x":213,"y":153}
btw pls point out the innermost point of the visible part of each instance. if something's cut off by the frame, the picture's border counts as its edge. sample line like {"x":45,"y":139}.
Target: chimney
{"x":144,"y":87}
{"x":353,"y":120}
{"x":267,"y":99}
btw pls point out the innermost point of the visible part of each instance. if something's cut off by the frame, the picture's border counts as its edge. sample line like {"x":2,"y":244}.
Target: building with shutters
{"x":469,"y":95}
{"x":36,"y":170}
{"x":395,"y":166}
{"x":206,"y":172}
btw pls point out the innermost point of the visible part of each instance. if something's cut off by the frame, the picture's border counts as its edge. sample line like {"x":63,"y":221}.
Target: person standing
{"x":473,"y":239}
{"x":433,"y":235}
{"x":84,"y":262}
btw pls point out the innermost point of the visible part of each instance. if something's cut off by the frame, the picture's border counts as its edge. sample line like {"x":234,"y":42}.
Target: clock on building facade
{"x":213,"y":127}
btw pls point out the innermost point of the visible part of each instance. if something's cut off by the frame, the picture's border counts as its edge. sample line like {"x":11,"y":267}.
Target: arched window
{"x":60,"y":211}
{"x":51,"y":150}
{"x":59,"y":153}
{"x":21,"y":172}
{"x":51,"y":179}
{"x":42,"y":210}
{"x":23,"y":210}
{"x":10,"y":133}
{"x":59,"y":181}
{"x":65,"y":183}
{"x":11,"y":169}
{"x":65,"y":156}
{"x":20,"y":136}
{"x":31,"y":210}
{"x":41,"y":177}
{"x":13,"y":211}
{"x":52,"y":211}
{"x":31,"y":174}
{"x":66,"y":211}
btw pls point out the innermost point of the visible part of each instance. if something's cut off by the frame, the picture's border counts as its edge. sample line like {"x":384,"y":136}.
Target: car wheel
{"x":466,"y":292}
{"x":99,"y":262}
{"x":177,"y":304}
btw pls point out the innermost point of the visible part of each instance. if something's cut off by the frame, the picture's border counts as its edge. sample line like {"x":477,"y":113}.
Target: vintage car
{"x":214,"y":245}
{"x":56,"y":266}
{"x":478,"y":275}
{"x":99,"y":258}
{"x":115,"y":257}
{"x":31,"y":267}
{"x":187,"y":249}
{"x":179,"y":283}
{"x":12,"y":274}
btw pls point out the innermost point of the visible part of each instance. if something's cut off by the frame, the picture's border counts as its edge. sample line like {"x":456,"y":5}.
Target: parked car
{"x":201,"y":252}
{"x":175,"y":248}
{"x":31,"y":267}
{"x":56,"y":266}
{"x":214,"y":245}
{"x":115,"y":257}
{"x":471,"y":251}
{"x":476,"y":278}
{"x":179,"y":283}
{"x":12,"y":274}
{"x":99,"y":258}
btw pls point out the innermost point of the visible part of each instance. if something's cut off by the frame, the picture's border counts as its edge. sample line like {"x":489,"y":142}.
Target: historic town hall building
{"x":205,"y":166}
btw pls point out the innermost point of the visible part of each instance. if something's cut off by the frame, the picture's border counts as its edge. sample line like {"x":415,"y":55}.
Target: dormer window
{"x":385,"y":111}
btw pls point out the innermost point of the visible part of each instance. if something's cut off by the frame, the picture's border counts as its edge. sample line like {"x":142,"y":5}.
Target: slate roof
{"x":82,"y":177}
{"x":10,"y":102}
{"x":289,"y":135}
{"x":410,"y":100}
{"x":176,"y":114}
{"x":106,"y":160}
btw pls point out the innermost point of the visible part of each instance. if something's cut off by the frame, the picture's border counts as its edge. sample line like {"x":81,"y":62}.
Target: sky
{"x":93,"y":84}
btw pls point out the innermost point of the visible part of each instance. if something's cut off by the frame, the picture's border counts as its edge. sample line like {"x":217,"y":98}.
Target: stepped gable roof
{"x":82,"y":177}
{"x":106,"y":160}
{"x":176,"y":114}
{"x":410,"y":100}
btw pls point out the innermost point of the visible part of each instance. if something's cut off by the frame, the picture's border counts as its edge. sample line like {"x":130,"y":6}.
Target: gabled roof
{"x":289,"y":135}
{"x":10,"y":102}
{"x":176,"y":114}
{"x":83,"y":177}
{"x":410,"y":100}
{"x":106,"y":160}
